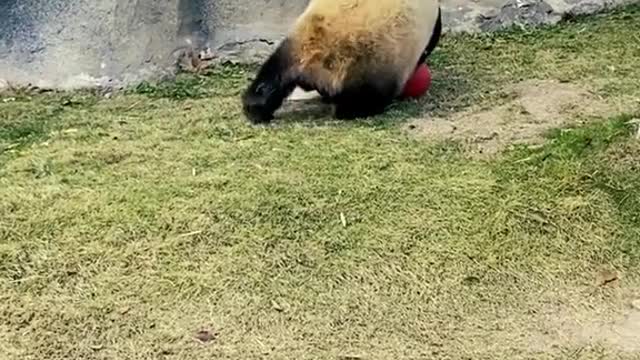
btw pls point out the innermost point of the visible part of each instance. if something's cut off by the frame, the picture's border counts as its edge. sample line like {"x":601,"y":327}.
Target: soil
{"x":536,"y":106}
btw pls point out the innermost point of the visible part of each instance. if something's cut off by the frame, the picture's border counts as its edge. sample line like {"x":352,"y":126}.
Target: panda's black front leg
{"x":272,"y":85}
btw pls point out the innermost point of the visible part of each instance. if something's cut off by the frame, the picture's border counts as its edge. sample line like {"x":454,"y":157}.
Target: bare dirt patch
{"x":569,"y":320}
{"x":534,"y":108}
{"x":613,"y":321}
{"x":623,"y":334}
{"x":619,"y":332}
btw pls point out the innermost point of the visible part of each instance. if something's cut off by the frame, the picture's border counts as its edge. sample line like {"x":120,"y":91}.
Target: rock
{"x":519,"y":13}
{"x":126,"y":41}
{"x":587,"y":7}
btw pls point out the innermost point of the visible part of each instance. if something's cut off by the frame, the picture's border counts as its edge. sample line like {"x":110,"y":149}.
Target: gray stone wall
{"x":60,"y":43}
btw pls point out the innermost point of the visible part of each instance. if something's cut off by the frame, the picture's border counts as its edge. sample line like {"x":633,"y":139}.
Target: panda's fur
{"x":357,"y":54}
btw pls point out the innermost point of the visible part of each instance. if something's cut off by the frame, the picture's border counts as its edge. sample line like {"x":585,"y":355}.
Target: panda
{"x":357,"y":54}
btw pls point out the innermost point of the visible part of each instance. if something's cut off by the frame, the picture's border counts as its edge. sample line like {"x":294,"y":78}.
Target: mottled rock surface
{"x":59,"y":43}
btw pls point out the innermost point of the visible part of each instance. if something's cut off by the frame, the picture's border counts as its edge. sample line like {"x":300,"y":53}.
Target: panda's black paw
{"x":258,"y":117}
{"x":346,"y":113}
{"x":256,"y":110}
{"x":358,"y":111}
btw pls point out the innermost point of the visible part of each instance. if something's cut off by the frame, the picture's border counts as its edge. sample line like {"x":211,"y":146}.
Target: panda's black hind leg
{"x":362,"y":101}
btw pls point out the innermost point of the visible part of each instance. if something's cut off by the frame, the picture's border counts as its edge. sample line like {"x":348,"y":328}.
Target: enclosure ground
{"x":159,"y":224}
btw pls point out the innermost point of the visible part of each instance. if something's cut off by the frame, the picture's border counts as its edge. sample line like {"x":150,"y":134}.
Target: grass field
{"x":159,"y":224}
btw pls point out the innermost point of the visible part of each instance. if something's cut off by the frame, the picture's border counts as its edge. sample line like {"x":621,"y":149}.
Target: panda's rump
{"x":347,"y":60}
{"x":344,"y":43}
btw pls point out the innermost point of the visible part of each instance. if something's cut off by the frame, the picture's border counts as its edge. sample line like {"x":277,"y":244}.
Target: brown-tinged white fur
{"x":337,"y":39}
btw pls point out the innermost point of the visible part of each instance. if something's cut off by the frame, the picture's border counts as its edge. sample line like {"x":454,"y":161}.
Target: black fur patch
{"x":365,"y":99}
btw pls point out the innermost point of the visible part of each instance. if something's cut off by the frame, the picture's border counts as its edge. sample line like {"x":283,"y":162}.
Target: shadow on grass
{"x":450,"y":91}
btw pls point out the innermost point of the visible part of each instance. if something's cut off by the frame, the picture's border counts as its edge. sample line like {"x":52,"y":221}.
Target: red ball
{"x":418,"y":83}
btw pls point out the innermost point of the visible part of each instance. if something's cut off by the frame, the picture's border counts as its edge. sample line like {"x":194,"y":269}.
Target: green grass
{"x":128,"y":224}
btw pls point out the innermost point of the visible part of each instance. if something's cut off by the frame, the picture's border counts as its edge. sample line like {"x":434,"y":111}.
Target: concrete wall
{"x":61,"y":43}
